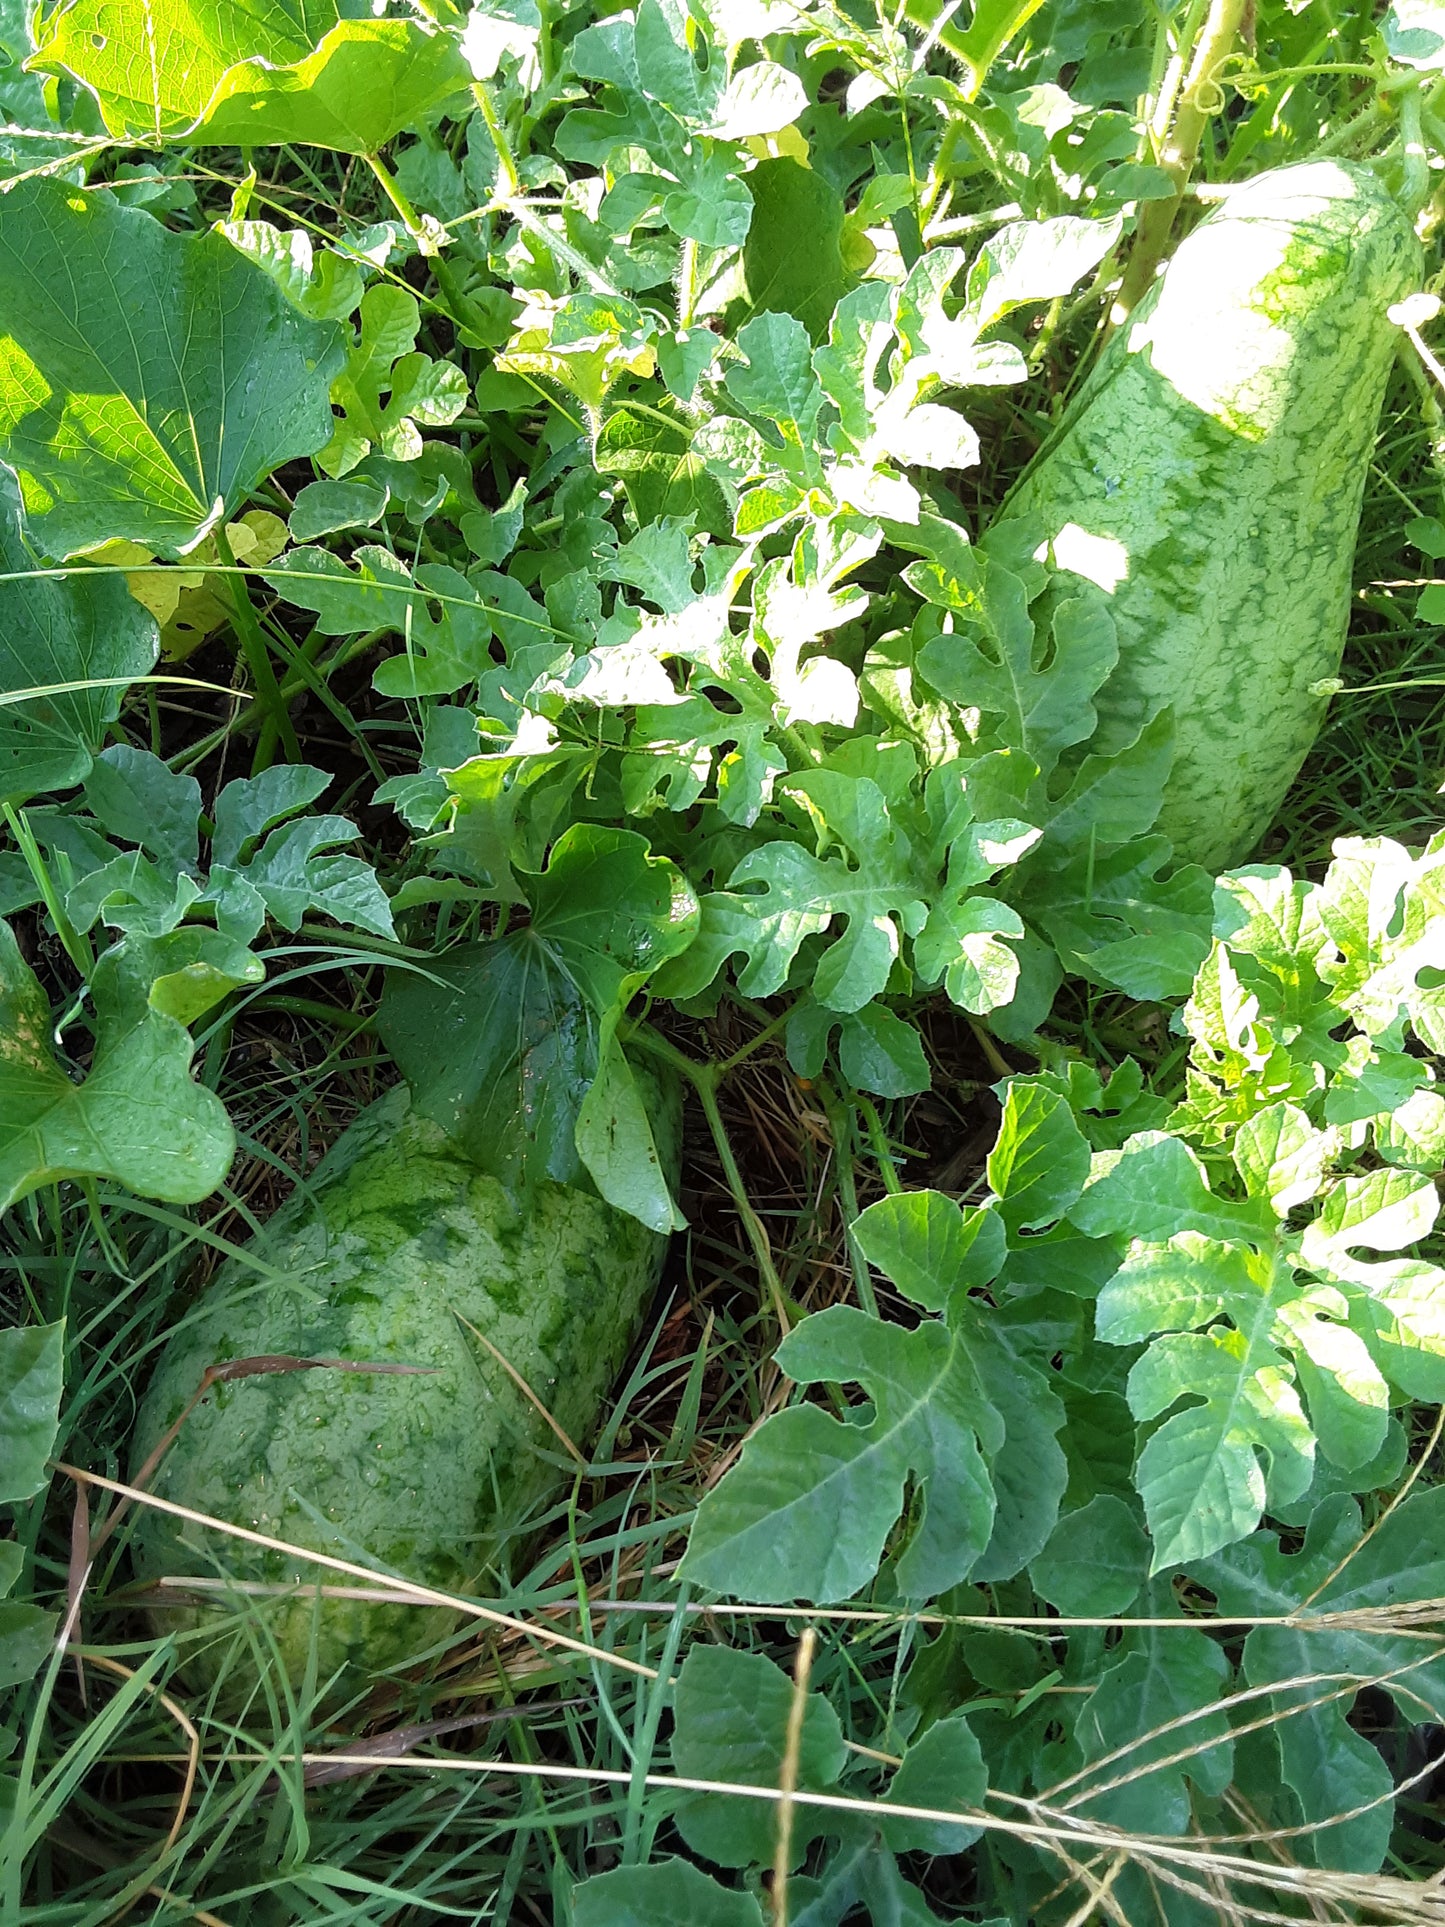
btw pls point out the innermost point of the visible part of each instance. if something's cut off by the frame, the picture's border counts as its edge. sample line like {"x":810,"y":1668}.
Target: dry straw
{"x":1243,"y":1876}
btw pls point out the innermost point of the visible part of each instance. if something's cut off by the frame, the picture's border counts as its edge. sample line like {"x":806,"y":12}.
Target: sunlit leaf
{"x":148,"y":380}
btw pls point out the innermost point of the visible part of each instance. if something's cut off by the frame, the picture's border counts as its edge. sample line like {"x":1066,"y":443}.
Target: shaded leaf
{"x":510,"y":1045}
{"x":32,"y":1366}
{"x":793,"y":260}
{"x":660,"y":1895}
{"x":1342,"y":1784}
{"x":56,"y":632}
{"x":807,"y":1511}
{"x":137,"y":1118}
{"x":731,"y":1711}
{"x":1095,"y":1562}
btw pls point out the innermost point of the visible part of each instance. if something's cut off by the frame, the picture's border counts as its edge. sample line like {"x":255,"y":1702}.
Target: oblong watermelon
{"x":1217,"y":455}
{"x":395,"y":1241}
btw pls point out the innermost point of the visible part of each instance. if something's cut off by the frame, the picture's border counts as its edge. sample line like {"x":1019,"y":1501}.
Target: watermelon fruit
{"x":1209,"y":477}
{"x":380,"y":1257}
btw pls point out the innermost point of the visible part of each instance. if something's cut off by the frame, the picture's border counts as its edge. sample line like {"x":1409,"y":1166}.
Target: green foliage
{"x":556,"y":452}
{"x":520,"y":1061}
{"x":136,"y":1118}
{"x":257,"y":75}
{"x":82,"y":640}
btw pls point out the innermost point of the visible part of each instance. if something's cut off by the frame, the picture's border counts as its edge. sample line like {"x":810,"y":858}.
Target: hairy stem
{"x":1198,"y":103}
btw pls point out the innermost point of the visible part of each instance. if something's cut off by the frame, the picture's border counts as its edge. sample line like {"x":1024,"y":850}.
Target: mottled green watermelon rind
{"x":1238,"y":508}
{"x":397,"y":1238}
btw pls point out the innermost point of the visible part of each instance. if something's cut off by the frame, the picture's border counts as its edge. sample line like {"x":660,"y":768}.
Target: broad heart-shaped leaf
{"x":511,"y":1045}
{"x":806,"y":1512}
{"x":32,"y":1367}
{"x":1330,"y":1769}
{"x":55,"y":632}
{"x":148,"y":380}
{"x":255,"y":76}
{"x":138,"y":1118}
{"x":661,"y":1894}
{"x":793,"y":262}
{"x":153,"y":67}
{"x":366,"y":81}
{"x":499,"y":1047}
{"x":731,"y":1714}
{"x":27,"y":1641}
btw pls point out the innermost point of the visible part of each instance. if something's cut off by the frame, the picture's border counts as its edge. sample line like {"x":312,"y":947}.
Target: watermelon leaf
{"x":659,"y":1895}
{"x":1330,"y":1769}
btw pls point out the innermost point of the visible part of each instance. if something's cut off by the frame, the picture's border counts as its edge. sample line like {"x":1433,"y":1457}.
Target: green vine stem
{"x":1199,"y":101}
{"x":704,"y":1079}
{"x":77,"y":947}
{"x":687,"y":287}
{"x":1415,"y":176}
{"x":506,"y":165}
{"x":258,"y":657}
{"x":878,"y":1144}
{"x":453,"y":294}
{"x":841,"y":1129}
